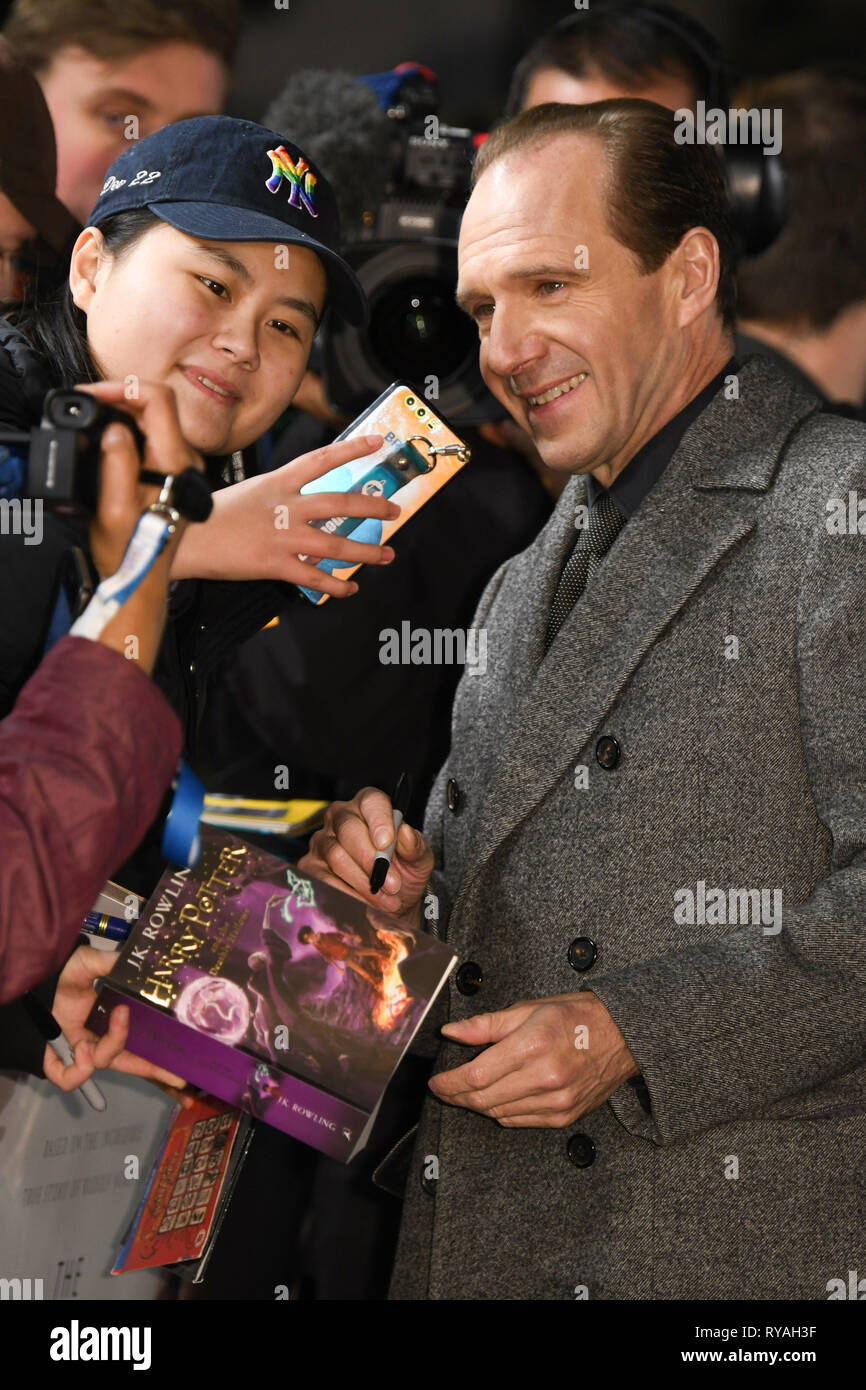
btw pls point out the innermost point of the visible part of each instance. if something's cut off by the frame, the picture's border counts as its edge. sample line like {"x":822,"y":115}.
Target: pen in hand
{"x":400,"y":805}
{"x":53,"y":1034}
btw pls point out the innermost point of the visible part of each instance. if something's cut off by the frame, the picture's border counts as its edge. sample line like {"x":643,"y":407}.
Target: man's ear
{"x":88,"y":258}
{"x":696,"y":261}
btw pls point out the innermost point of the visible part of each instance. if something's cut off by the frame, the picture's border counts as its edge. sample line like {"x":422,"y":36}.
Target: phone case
{"x":419,"y":455}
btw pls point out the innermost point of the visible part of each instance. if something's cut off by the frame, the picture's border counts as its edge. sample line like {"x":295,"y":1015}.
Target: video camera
{"x":405,"y":255}
{"x":61,"y":463}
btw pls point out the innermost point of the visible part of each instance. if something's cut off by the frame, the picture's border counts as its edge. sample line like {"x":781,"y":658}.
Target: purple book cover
{"x":278,"y":993}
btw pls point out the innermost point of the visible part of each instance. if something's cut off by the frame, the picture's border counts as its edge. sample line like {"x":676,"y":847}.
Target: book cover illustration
{"x":179,"y":1208}
{"x":280,"y":994}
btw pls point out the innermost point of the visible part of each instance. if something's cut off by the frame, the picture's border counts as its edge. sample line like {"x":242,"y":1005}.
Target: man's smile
{"x":544,"y":400}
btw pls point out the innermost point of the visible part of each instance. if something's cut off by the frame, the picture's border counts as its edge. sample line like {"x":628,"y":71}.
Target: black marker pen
{"x":400,"y":804}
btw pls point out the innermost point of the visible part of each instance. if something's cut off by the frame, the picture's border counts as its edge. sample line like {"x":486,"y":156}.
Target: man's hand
{"x":73,"y":1000}
{"x":551,"y":1061}
{"x":259,"y":527}
{"x":344,"y":850}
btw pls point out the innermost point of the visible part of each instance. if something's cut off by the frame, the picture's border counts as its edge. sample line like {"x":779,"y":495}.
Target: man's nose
{"x":511,"y":344}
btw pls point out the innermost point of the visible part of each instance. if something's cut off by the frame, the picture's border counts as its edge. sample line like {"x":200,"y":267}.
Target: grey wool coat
{"x":737,"y":1167}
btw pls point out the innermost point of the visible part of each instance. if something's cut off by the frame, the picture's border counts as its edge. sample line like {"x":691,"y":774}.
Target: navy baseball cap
{"x":224,"y":179}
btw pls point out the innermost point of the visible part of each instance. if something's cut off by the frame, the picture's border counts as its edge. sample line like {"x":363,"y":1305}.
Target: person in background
{"x":622,"y":48}
{"x":114,"y":73}
{"x":803,"y":300}
{"x":34,"y":224}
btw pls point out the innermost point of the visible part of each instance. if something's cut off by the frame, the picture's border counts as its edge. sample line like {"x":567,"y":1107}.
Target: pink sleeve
{"x":85,"y":758}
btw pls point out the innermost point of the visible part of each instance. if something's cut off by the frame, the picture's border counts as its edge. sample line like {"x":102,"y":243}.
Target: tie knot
{"x":605,"y":523}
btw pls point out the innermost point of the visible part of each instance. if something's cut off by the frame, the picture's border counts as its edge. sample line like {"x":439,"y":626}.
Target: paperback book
{"x":273,"y":991}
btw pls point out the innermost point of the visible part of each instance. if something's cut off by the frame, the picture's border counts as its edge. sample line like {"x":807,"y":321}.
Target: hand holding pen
{"x":353,"y":835}
{"x":73,"y":1000}
{"x":399,"y":807}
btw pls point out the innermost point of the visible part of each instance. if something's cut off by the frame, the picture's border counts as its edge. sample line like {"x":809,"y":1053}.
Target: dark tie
{"x":590,"y":548}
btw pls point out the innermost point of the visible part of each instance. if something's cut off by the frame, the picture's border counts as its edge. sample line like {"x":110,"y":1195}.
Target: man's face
{"x":552,"y":84}
{"x":583,"y":358}
{"x":15,"y":232}
{"x":91,"y":99}
{"x":175,"y":309}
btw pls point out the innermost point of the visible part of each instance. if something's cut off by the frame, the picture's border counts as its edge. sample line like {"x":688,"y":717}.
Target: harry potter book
{"x":274,"y":991}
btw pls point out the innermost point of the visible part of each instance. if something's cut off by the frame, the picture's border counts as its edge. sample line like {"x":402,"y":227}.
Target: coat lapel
{"x":702,"y":507}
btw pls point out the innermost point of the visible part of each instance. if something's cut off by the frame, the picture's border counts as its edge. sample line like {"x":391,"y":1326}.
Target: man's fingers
{"x":343,"y":863}
{"x":377,"y":814}
{"x":353,"y":833}
{"x":411,"y":845}
{"x":482,"y":1029}
{"x":90,"y":962}
{"x":318,"y":869}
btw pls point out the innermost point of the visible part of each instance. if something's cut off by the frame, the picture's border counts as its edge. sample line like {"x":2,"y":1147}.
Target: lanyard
{"x":180,"y":842}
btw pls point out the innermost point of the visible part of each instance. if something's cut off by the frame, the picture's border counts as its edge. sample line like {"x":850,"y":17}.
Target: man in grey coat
{"x":648,"y":845}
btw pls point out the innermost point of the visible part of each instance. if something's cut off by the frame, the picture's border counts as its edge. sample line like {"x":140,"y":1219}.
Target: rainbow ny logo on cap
{"x":301,"y":178}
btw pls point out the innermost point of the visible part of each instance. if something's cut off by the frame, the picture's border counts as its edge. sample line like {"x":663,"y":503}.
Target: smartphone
{"x":420,"y":453}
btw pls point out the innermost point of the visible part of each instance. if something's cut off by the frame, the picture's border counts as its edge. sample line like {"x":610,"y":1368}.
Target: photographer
{"x":85,"y":758}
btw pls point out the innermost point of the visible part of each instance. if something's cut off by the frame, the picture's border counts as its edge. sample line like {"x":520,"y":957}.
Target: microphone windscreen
{"x":337,"y":121}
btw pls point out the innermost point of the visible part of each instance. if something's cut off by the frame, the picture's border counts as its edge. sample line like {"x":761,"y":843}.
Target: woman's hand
{"x":73,"y":1000}
{"x":259,"y":527}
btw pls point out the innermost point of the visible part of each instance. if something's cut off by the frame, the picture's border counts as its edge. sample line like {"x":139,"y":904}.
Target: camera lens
{"x":416,"y":328}
{"x":72,"y":409}
{"x":415,"y":333}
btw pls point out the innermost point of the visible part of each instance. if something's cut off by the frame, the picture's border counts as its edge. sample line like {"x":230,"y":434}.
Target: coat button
{"x":607,"y":752}
{"x":582,"y":953}
{"x":453,"y":795}
{"x":468,"y":978}
{"x":580,"y":1150}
